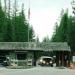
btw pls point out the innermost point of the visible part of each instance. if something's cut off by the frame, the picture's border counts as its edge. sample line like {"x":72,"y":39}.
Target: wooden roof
{"x":53,"y":46}
{"x":57,"y":46}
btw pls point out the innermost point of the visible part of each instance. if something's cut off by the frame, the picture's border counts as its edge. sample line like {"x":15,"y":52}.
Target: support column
{"x":34,"y":59}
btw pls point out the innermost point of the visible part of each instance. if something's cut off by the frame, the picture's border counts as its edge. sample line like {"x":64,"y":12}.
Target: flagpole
{"x":28,"y":20}
{"x":28,"y":29}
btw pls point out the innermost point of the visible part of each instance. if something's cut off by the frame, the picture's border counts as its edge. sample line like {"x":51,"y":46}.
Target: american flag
{"x":29,"y":13}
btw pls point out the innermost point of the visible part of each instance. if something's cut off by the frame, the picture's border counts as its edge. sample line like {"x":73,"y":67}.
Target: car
{"x":45,"y":61}
{"x":4,"y":61}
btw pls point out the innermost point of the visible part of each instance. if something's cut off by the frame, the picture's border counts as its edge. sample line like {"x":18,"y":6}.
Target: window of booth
{"x":21,"y":56}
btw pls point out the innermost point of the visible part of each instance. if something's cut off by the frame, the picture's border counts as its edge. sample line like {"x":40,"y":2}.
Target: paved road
{"x":37,"y":71}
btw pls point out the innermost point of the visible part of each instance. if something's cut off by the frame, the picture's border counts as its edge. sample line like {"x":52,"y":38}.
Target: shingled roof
{"x":53,"y":46}
{"x":57,"y":46}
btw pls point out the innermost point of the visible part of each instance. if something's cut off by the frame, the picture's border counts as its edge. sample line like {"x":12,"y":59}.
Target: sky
{"x":44,"y":14}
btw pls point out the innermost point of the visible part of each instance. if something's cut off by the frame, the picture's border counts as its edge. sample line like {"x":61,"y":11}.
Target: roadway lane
{"x":37,"y":71}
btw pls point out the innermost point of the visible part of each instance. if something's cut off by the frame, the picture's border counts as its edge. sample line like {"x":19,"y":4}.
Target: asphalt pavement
{"x":37,"y":71}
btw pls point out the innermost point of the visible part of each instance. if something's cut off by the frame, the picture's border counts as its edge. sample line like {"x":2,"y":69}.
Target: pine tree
{"x":14,"y":28}
{"x":61,"y":31}
{"x":71,"y":29}
{"x":21,"y":27}
{"x":2,"y":23}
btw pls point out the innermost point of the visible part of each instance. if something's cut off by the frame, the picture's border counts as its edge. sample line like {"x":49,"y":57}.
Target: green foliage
{"x":71,"y":33}
{"x":2,"y":24}
{"x":61,"y":30}
{"x":65,"y":31}
{"x":46,"y":40}
{"x":14,"y":28}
